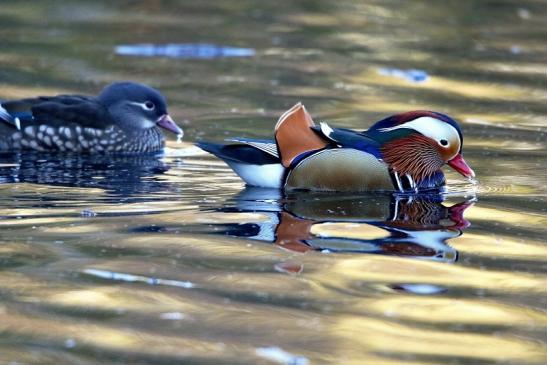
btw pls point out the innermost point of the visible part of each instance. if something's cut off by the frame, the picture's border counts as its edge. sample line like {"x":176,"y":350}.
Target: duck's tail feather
{"x":294,"y":135}
{"x":255,"y":166}
{"x":6,"y":117}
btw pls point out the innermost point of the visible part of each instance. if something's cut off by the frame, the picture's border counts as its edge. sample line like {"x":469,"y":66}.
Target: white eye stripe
{"x":144,"y":105}
{"x":430,"y":127}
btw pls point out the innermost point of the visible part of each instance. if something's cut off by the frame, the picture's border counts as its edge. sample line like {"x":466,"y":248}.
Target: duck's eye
{"x":443,"y":142}
{"x":149,"y":105}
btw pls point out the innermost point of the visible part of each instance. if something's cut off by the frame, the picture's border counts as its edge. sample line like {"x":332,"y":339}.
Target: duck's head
{"x":136,"y":107}
{"x":419,"y":143}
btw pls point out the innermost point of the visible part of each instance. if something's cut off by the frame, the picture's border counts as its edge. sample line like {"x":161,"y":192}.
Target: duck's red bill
{"x":459,"y":164}
{"x":166,"y":122}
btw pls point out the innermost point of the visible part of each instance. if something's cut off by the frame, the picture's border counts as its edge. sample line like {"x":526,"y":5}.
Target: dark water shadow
{"x":121,"y":175}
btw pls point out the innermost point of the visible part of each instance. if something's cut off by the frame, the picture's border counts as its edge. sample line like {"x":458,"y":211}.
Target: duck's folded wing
{"x":265,"y":145}
{"x":59,"y":110}
{"x":239,"y":152}
{"x":348,"y":138}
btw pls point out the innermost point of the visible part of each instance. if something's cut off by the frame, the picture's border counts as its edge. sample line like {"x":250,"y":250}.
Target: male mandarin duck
{"x":402,"y":153}
{"x":124,"y":118}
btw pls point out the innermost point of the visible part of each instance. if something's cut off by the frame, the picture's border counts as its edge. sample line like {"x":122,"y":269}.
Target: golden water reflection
{"x":165,"y":259}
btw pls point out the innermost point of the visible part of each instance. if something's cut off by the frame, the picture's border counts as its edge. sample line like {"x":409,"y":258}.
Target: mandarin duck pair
{"x":402,"y":153}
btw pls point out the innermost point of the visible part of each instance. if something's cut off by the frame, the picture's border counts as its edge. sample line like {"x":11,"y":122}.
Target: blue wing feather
{"x":350,"y":139}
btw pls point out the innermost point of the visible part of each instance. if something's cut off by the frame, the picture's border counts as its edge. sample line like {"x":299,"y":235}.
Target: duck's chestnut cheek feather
{"x":165,"y":121}
{"x":459,"y":164}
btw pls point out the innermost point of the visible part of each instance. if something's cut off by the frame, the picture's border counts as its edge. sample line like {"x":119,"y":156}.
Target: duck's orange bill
{"x":459,"y":164}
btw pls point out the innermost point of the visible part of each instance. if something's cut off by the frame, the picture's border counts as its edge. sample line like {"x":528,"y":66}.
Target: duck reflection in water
{"x":121,"y":175}
{"x":401,"y":225}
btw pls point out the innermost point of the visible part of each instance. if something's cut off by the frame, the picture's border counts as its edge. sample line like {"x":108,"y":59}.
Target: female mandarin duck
{"x":403,"y":153}
{"x":124,"y":118}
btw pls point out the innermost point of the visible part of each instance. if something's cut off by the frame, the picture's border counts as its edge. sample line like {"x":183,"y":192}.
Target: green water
{"x":169,"y":260}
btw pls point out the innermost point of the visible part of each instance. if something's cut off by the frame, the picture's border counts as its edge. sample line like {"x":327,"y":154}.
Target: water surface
{"x":170,"y":259}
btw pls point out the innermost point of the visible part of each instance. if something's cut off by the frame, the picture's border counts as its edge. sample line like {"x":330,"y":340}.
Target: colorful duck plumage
{"x":403,"y":153}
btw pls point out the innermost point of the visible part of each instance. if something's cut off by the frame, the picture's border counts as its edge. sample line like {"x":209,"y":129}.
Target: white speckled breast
{"x":84,"y":139}
{"x":340,"y":169}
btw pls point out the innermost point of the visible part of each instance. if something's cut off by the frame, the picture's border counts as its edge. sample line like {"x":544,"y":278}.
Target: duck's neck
{"x":413,"y":156}
{"x":148,"y":140}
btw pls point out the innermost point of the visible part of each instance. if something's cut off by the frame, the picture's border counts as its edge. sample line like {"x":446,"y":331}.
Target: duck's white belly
{"x":266,"y":176}
{"x":341,"y":169}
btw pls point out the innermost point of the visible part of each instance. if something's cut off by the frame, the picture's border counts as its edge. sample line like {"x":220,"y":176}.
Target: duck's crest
{"x":294,"y":135}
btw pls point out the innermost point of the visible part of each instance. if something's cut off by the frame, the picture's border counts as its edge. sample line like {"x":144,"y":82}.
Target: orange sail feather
{"x":294,"y":136}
